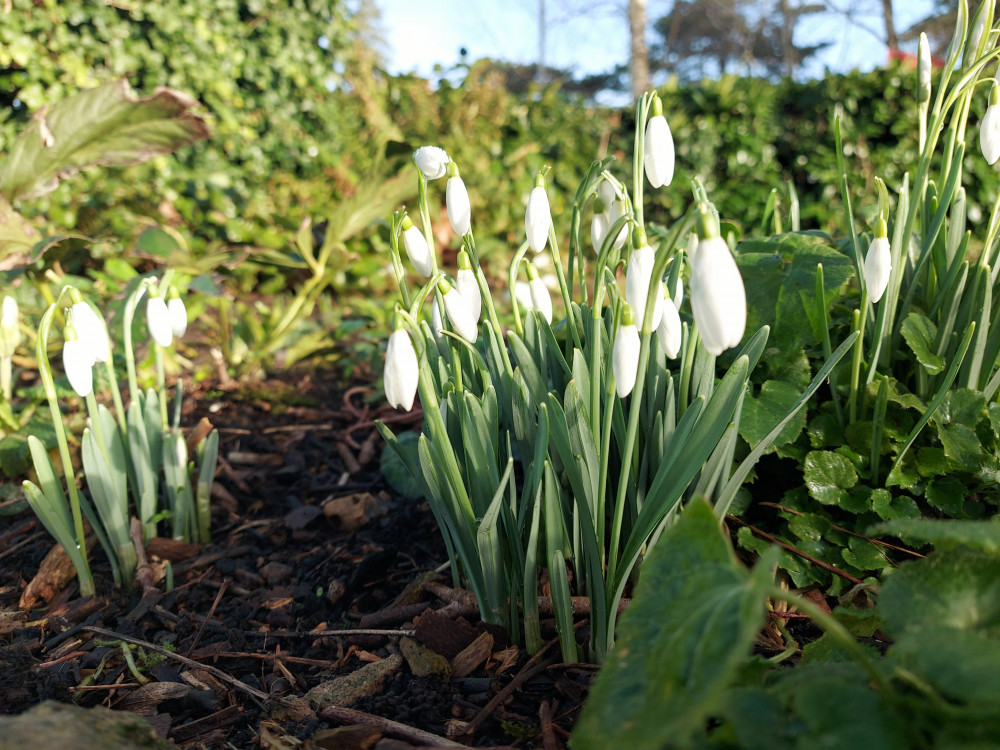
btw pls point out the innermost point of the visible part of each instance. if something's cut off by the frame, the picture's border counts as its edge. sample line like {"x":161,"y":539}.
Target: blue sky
{"x":592,"y":37}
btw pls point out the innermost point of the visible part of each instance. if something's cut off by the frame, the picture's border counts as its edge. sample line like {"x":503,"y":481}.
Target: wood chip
{"x":469,"y":658}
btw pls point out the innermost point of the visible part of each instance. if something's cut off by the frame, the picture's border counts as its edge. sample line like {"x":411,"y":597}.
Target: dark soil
{"x":264,"y":614}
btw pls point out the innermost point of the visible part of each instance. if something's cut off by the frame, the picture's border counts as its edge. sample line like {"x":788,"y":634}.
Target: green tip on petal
{"x":464,"y":263}
{"x":444,"y":286}
{"x":540,"y":179}
{"x":639,"y":237}
{"x":628,"y":316}
{"x":708,"y":225}
{"x":407,"y":223}
{"x":881,"y":228}
{"x":532,"y":271}
{"x":656,"y":109}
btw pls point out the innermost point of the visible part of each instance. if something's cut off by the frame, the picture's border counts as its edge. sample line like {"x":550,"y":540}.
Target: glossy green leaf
{"x":761,"y":414}
{"x":828,"y":475}
{"x":920,"y":332}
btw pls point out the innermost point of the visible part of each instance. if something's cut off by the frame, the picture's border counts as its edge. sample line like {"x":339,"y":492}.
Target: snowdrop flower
{"x":522,"y":293}
{"x":615,"y":212}
{"x":177,"y":314}
{"x":89,"y":328}
{"x":878,"y":263}
{"x":459,"y":313}
{"x":431,"y":161}
{"x":718,"y":297}
{"x":416,"y":248}
{"x":402,"y":371}
{"x":637,"y":278}
{"x":538,"y":216}
{"x":466,"y":284}
{"x":625,"y":354}
{"x":989,"y":128}
{"x":456,"y":198}
{"x":78,"y":361}
{"x":158,"y":320}
{"x":982,"y":21}
{"x":658,"y":156}
{"x":677,"y":294}
{"x":10,"y":328}
{"x":669,"y":331}
{"x":541,"y":300}
{"x":599,"y":225}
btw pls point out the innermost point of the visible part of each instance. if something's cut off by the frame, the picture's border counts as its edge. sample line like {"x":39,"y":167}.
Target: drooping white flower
{"x":158,"y":321}
{"x":658,"y":156}
{"x":718,"y":297}
{"x":91,"y":329}
{"x":677,"y":294}
{"x":402,"y":372}
{"x":465,"y":282}
{"x":416,"y":248}
{"x":431,"y":161}
{"x":10,"y":327}
{"x":541,"y":300}
{"x":615,"y":212}
{"x":538,"y":216}
{"x":456,"y":198}
{"x":878,"y":263}
{"x":599,"y":225}
{"x":668,"y":334}
{"x":522,"y":293}
{"x":458,"y":312}
{"x":177,"y":313}
{"x":78,"y":361}
{"x":989,"y":128}
{"x":625,"y":354}
{"x":638,"y":275}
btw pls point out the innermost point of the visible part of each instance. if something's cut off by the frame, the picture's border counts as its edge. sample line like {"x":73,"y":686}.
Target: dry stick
{"x":324,"y":633}
{"x":239,"y":685}
{"x":519,"y":679}
{"x":878,"y":542}
{"x":825,"y":565}
{"x":353,"y":716}
{"x":211,"y":613}
{"x":549,"y":741}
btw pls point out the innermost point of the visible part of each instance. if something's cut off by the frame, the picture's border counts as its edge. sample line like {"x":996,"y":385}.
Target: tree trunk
{"x":639,"y":57}
{"x":891,"y":40}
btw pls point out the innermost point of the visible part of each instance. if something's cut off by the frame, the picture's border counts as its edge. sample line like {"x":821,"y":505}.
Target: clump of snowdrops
{"x":128,"y":453}
{"x":607,"y":399}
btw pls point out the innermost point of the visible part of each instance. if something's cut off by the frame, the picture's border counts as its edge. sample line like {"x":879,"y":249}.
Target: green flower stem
{"x":469,"y":242}
{"x":567,"y":299}
{"x":161,"y":383}
{"x":511,"y":281}
{"x":638,"y":154}
{"x":49,"y":386}
{"x":396,"y":227}
{"x":425,"y":220}
{"x":857,"y":324}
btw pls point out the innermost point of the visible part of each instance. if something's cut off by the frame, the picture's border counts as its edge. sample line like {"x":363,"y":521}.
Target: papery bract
{"x":78,"y":362}
{"x":158,"y":321}
{"x":431,"y":161}
{"x":459,"y":314}
{"x":637,"y":278}
{"x":878,"y":266}
{"x":402,"y":373}
{"x":718,"y":297}
{"x":456,"y":199}
{"x":537,"y":219}
{"x":658,"y":157}
{"x":668,"y":333}
{"x":625,"y":355}
{"x":416,"y":247}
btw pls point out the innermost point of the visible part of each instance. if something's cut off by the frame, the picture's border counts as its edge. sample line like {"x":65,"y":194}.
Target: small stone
{"x":52,"y":724}
{"x":275,"y":572}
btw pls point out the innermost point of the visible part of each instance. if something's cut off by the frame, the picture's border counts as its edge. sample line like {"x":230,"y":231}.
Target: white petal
{"x":522,"y":293}
{"x":607,"y":192}
{"x":625,"y":359}
{"x":989,"y":134}
{"x":158,"y":320}
{"x":659,"y":152}
{"x":402,"y":371}
{"x":599,"y":227}
{"x":637,"y":279}
{"x":78,"y":362}
{"x":417,"y":250}
{"x":718,"y":297}
{"x":9,"y":315}
{"x":460,"y":316}
{"x":456,"y":197}
{"x":878,"y":265}
{"x":537,"y":219}
{"x":617,"y":211}
{"x":466,"y":284}
{"x":669,"y":332}
{"x":541,"y":300}
{"x":91,"y":329}
{"x":432,"y":161}
{"x":178,"y":316}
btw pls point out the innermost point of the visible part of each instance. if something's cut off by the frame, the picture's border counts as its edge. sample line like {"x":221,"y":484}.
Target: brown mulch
{"x":317,"y":571}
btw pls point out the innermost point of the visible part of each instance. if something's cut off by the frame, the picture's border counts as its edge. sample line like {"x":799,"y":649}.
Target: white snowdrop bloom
{"x":541,"y":300}
{"x":456,"y":199}
{"x":458,"y":312}
{"x":402,"y":372}
{"x":416,"y":247}
{"x":638,"y":275}
{"x":878,"y":266}
{"x":658,"y":154}
{"x":625,"y":354}
{"x":78,"y":362}
{"x":158,"y":321}
{"x":91,"y":329}
{"x":465,"y":282}
{"x":718,"y":297}
{"x":989,"y":128}
{"x":538,"y":217}
{"x":177,"y":313}
{"x":668,"y":334}
{"x":431,"y":161}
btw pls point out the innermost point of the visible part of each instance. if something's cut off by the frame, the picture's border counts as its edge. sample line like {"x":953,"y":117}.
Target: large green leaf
{"x":681,"y":643}
{"x":945,"y":534}
{"x":828,"y":475}
{"x":920,"y":332}
{"x":772,"y":404}
{"x":107,"y":125}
